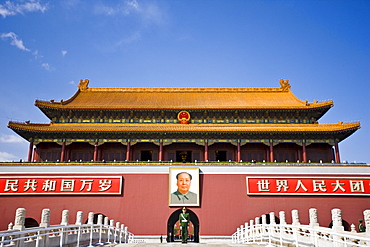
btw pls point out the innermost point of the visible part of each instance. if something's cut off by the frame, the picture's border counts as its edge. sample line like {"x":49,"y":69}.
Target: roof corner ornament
{"x":83,"y":85}
{"x":284,"y":85}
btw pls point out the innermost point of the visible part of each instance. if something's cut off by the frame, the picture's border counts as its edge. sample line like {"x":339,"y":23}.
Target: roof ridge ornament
{"x":83,"y":85}
{"x":284,"y":85}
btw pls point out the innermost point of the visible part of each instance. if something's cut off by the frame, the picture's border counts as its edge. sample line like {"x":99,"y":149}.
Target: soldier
{"x":184,"y":219}
{"x":361,"y":227}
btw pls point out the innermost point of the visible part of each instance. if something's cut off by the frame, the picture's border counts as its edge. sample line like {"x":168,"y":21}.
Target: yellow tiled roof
{"x":184,"y":98}
{"x":186,"y":128}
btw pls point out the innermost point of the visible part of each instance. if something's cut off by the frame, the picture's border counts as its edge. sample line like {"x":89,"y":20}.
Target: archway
{"x":30,"y":222}
{"x":174,"y":217}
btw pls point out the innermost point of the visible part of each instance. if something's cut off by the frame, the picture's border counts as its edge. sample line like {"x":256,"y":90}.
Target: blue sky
{"x":322,"y":47}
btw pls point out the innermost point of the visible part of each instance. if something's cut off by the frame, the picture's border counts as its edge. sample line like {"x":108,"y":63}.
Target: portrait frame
{"x":194,"y":188}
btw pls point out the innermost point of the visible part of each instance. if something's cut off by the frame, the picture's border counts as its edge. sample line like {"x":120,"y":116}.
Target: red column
{"x":128,"y":151}
{"x":238,"y":152}
{"x":160,"y":151}
{"x":337,"y":156}
{"x":96,"y":152}
{"x":30,"y":150}
{"x":271,"y":152}
{"x":206,"y":151}
{"x":304,"y":154}
{"x":36,"y":155}
{"x":62,"y":154}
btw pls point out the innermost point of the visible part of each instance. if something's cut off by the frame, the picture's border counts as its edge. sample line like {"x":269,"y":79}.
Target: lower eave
{"x":338,"y":131}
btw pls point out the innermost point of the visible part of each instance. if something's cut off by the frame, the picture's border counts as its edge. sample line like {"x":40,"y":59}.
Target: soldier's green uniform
{"x":184,"y":219}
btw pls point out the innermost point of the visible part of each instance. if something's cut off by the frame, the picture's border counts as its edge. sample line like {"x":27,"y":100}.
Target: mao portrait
{"x":184,"y":187}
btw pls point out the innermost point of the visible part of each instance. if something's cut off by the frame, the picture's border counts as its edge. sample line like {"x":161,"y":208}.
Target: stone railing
{"x":77,"y":234}
{"x":257,"y":231}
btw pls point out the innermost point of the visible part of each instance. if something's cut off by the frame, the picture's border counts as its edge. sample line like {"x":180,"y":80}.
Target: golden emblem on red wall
{"x":183,"y":117}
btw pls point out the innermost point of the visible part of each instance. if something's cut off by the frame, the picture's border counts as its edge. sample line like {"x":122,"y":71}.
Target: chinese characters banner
{"x":354,"y":186}
{"x":58,"y":185}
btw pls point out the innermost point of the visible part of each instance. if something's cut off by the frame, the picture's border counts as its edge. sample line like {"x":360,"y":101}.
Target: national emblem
{"x":183,"y":117}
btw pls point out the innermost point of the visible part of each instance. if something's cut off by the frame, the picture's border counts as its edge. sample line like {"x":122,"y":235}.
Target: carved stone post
{"x":20,"y":217}
{"x":90,"y":220}
{"x":106,"y":221}
{"x":65,"y":222}
{"x":126,"y":234}
{"x":257,"y":220}
{"x":65,"y":218}
{"x":264,"y":220}
{"x":336,"y":216}
{"x":45,"y":218}
{"x":313,"y":217}
{"x":45,"y":222}
{"x":100,"y":219}
{"x":272,"y":218}
{"x":10,"y":226}
{"x":295,"y":217}
{"x":79,"y":218}
{"x":123,"y":238}
{"x":282,"y":218}
{"x":367,"y":221}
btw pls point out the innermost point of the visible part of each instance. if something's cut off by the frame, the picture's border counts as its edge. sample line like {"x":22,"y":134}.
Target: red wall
{"x":143,"y":207}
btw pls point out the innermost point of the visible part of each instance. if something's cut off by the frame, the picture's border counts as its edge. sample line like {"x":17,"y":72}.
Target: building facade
{"x":249,"y":151}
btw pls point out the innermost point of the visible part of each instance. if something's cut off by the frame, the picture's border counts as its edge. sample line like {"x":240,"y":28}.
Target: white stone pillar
{"x":100,"y":219}
{"x":45,"y":218}
{"x":295,"y":217}
{"x":367,"y":221}
{"x":79,"y":218}
{"x":257,"y":220}
{"x":272,"y":218}
{"x":90,"y":220}
{"x":336,"y":216}
{"x":111,"y":222}
{"x":20,"y":217}
{"x":10,"y":226}
{"x":106,"y":221}
{"x":65,"y":218}
{"x":282,"y":218}
{"x":313,"y":217}
{"x":264,"y":220}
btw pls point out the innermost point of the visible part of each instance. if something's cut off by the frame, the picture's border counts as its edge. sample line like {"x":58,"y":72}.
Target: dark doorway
{"x":30,"y":222}
{"x":174,"y":217}
{"x":221,"y":156}
{"x":146,"y":155}
{"x":183,"y":156}
{"x":95,"y":221}
{"x":277,"y":220}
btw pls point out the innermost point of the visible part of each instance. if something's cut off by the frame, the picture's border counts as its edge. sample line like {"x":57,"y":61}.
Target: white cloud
{"x":10,"y":139}
{"x":47,"y":66}
{"x":147,"y":12}
{"x":14,"y":40}
{"x":6,"y":157}
{"x":10,"y":8}
{"x":64,"y":53}
{"x":72,"y":82}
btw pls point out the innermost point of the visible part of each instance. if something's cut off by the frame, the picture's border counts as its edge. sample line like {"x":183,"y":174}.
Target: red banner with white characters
{"x":349,"y":186}
{"x":60,"y":185}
